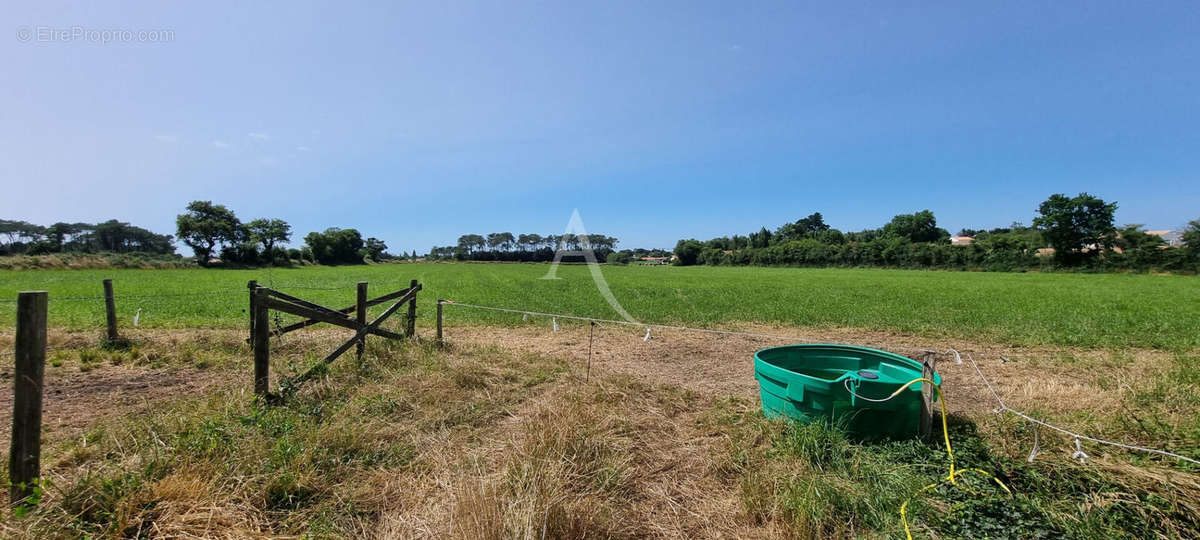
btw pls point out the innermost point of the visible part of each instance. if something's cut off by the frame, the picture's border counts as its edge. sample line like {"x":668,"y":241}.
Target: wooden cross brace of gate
{"x":264,"y":299}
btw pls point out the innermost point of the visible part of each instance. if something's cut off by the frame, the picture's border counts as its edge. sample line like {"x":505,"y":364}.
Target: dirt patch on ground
{"x":1031,"y":378}
{"x":72,"y":400}
{"x":152,"y":367}
{"x":155,"y":365}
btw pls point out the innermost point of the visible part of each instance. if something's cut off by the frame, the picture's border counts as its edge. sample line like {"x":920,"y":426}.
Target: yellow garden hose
{"x":951,"y":477}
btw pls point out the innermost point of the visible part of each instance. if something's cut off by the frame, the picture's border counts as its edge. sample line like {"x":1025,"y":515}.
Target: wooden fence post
{"x":110,"y":311}
{"x":929,"y":410}
{"x":360,"y":311}
{"x":252,"y":285}
{"x":24,"y":462}
{"x":262,"y":343}
{"x":439,"y":320}
{"x":412,"y":312}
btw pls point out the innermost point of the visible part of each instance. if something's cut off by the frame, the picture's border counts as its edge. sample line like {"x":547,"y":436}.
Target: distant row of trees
{"x":24,"y":238}
{"x":206,"y":228}
{"x":1068,"y":232}
{"x":505,"y":246}
{"x":212,"y":231}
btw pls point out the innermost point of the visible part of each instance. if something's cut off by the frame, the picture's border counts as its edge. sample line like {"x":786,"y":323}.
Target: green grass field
{"x":1106,"y":311}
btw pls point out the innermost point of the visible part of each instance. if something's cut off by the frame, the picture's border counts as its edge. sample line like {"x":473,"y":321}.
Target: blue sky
{"x":416,"y":123}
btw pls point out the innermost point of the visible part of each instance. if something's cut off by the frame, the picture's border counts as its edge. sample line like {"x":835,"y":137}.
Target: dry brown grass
{"x":498,"y":436}
{"x":191,"y":504}
{"x":611,"y":459}
{"x":76,"y":261}
{"x":1093,"y":391}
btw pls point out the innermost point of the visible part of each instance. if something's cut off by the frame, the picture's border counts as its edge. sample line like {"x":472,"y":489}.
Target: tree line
{"x":1068,"y":232}
{"x":24,"y":238}
{"x":212,"y":231}
{"x":215,"y":234}
{"x":505,"y":246}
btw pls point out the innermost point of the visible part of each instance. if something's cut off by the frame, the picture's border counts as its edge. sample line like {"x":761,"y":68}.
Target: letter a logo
{"x":577,"y":235}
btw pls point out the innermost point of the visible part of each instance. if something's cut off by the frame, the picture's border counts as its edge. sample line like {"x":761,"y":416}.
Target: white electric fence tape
{"x":1079,"y":453}
{"x":556,"y":316}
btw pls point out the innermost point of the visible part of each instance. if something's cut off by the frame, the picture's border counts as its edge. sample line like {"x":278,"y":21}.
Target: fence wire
{"x":951,"y":353}
{"x":1002,"y":406}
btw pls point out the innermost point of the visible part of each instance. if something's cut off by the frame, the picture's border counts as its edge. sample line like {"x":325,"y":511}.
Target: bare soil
{"x":73,"y":399}
{"x":1057,"y":379}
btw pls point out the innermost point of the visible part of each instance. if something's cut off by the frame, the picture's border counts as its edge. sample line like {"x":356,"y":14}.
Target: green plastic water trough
{"x":810,"y":382}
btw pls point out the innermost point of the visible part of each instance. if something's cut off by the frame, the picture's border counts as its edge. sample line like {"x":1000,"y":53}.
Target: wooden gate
{"x":264,"y":299}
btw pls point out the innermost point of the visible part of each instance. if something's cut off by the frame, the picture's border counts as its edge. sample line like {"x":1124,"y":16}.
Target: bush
{"x":336,"y":246}
{"x":619,"y":257}
{"x":240,"y":254}
{"x":687,"y":252}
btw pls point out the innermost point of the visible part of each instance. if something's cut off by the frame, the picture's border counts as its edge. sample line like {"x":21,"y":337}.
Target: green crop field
{"x":1108,"y":311}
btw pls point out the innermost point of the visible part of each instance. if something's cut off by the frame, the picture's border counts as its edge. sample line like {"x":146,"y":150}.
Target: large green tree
{"x":501,"y":240}
{"x":804,"y":227}
{"x":57,"y":234}
{"x":269,"y":232}
{"x":529,"y":241}
{"x":336,"y":246}
{"x":205,"y":226}
{"x":374,"y":248}
{"x":471,"y":243}
{"x":20,"y":235}
{"x":1077,"y":227}
{"x":918,"y":227}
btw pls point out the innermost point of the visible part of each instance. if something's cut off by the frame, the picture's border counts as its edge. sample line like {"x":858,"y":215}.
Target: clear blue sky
{"x":417,"y":123}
